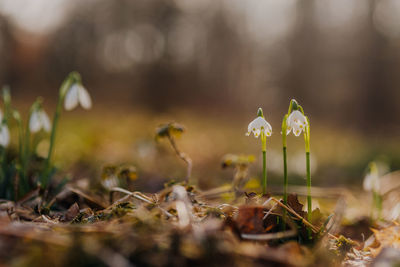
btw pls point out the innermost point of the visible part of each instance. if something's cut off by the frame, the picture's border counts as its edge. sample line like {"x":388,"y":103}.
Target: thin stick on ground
{"x":136,"y":194}
{"x":304,"y":221}
{"x":271,"y":236}
{"x":140,"y":196}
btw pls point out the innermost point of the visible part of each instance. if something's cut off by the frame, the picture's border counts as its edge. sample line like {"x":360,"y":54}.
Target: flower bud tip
{"x":260,"y":112}
{"x":294,"y":104}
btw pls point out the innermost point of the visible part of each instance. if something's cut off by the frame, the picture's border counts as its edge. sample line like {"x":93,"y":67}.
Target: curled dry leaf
{"x":294,"y":203}
{"x":251,"y":220}
{"x":388,"y":237}
{"x":72,"y":212}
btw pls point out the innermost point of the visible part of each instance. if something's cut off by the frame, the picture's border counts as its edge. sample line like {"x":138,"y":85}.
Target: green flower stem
{"x":72,"y":77}
{"x":21,"y":170}
{"x":3,"y":154}
{"x":309,"y":207}
{"x":378,"y":204}
{"x":3,"y":180}
{"x":47,"y":165}
{"x":285,"y":176}
{"x":377,"y":198}
{"x":26,"y":154}
{"x":7,"y":103}
{"x":285,"y":184}
{"x":18,"y":119}
{"x":264,"y":152}
{"x":284,"y":147}
{"x":308,"y":169}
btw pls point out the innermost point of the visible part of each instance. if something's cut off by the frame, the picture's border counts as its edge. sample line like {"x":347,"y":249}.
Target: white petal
{"x":4,"y":136}
{"x":253,"y":125}
{"x":268,"y":130}
{"x":35,"y":123}
{"x":289,"y":120}
{"x":374,"y":182}
{"x":367,"y":183}
{"x":260,"y":122}
{"x":298,"y":117}
{"x":46,"y":124}
{"x":250,"y":128}
{"x":268,"y":127}
{"x":84,"y":98}
{"x":296,"y":122}
{"x":296,"y":129}
{"x":371,"y":183}
{"x":72,"y":99}
{"x":288,"y":130}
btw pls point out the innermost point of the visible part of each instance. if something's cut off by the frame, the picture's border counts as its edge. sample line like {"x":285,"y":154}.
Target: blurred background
{"x":209,"y":65}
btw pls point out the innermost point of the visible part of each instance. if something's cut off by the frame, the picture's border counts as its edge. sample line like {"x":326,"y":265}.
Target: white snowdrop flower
{"x":4,"y":135}
{"x":371,"y":182}
{"x":259,"y":125}
{"x":77,"y":94}
{"x":296,"y":122}
{"x":39,"y":120}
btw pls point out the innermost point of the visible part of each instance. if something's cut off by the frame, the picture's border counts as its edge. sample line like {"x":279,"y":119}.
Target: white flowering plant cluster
{"x":296,"y":122}
{"x":16,"y":177}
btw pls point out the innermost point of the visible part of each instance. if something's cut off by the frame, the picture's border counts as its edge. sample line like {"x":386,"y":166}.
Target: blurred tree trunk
{"x":7,"y":47}
{"x":299,"y":81}
{"x":377,"y":100}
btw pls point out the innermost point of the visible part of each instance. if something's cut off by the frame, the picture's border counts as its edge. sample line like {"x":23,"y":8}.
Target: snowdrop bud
{"x":75,"y":76}
{"x":72,"y":98}
{"x":39,"y":120}
{"x":294,"y":104}
{"x":6,"y":94}
{"x":4,"y":135}
{"x":371,"y":180}
{"x":260,"y":113}
{"x":72,"y":78}
{"x":34,"y":122}
{"x":77,"y":94}
{"x":16,"y":115}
